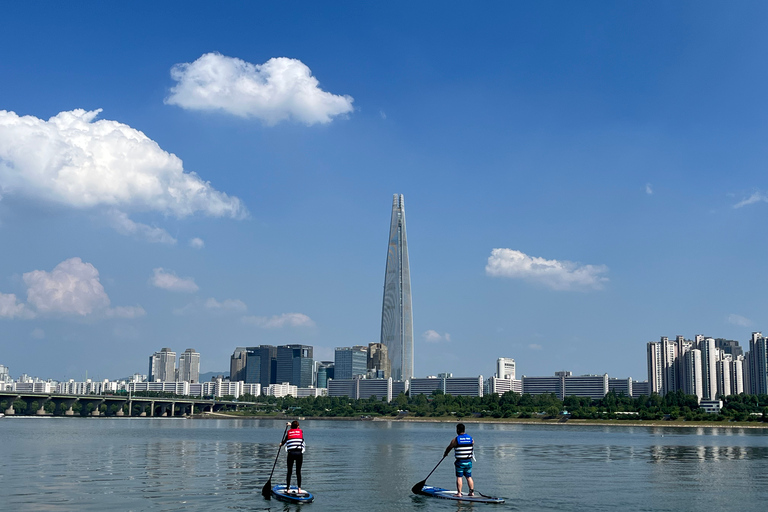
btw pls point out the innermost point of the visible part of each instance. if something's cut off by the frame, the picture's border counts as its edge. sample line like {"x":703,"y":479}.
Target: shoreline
{"x":475,"y":421}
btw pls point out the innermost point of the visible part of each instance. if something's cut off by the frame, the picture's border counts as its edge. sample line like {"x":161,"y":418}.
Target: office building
{"x":162,"y":366}
{"x":261,"y":365}
{"x":505,"y":368}
{"x":621,"y":386}
{"x":295,"y":365}
{"x":237,"y":364}
{"x":189,"y":366}
{"x":324,"y":372}
{"x":378,"y":361}
{"x":564,"y":384}
{"x":350,"y":362}
{"x":501,"y":386}
{"x":396,"y":310}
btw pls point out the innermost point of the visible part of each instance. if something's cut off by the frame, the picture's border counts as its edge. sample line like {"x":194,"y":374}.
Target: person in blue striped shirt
{"x":463,"y":448}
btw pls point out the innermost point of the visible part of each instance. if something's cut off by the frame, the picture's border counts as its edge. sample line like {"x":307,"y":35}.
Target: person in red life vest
{"x":463,"y":447}
{"x":294,"y":445}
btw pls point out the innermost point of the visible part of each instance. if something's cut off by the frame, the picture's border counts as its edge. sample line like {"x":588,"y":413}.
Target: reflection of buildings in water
{"x":706,"y":453}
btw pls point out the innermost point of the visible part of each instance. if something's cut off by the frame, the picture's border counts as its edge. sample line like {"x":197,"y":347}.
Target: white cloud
{"x":11,"y":308}
{"x":739,"y":320}
{"x":234,"y":305}
{"x":73,"y":160}
{"x":557,"y":275}
{"x":648,"y":189}
{"x":72,"y":288}
{"x":279,"y":321}
{"x":37,"y":334}
{"x":277,"y":90}
{"x":756,"y":197}
{"x":196,"y":243}
{"x":169,"y":281}
{"x":432,"y":336}
{"x":535,"y":346}
{"x":122,"y":224}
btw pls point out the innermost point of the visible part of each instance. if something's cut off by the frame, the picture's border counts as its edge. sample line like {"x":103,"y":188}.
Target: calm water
{"x":66,"y":464}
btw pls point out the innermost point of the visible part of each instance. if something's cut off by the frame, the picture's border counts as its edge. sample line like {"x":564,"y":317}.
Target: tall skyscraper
{"x":162,"y":366}
{"x":396,"y":311}
{"x":189,"y":366}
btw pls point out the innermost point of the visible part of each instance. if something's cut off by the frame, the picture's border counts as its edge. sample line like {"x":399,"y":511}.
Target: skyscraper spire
{"x":396,"y":312}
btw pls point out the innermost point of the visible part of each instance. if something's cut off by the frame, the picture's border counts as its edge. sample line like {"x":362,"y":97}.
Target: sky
{"x":579,"y":179}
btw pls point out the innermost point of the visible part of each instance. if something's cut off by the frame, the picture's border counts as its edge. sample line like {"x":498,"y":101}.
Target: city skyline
{"x":580,"y":179}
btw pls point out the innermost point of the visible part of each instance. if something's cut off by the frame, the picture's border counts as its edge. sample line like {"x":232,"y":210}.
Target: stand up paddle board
{"x":292,"y":495}
{"x":439,"y":492}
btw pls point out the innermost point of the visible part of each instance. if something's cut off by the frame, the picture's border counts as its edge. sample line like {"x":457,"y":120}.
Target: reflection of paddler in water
{"x":294,"y":445}
{"x":463,"y":447}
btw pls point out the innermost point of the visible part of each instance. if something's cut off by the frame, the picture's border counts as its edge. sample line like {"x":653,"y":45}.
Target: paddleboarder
{"x":294,"y":445}
{"x":463,"y":448}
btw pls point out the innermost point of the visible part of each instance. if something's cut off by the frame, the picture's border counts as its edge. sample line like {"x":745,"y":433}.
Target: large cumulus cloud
{"x":72,"y":288}
{"x":277,"y":90}
{"x":74,"y":160}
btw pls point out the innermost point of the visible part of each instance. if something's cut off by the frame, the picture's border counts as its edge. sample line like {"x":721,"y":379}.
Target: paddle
{"x":266,"y":491}
{"x":416,"y":489}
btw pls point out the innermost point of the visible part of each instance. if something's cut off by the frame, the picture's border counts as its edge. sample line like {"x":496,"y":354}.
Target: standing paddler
{"x":463,"y":447}
{"x":294,"y":445}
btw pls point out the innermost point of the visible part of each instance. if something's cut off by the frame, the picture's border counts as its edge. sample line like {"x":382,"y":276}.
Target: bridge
{"x":111,"y":405}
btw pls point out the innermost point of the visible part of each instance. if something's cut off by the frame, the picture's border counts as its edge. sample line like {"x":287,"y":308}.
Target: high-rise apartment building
{"x":396,"y":310}
{"x":189,"y":366}
{"x":758,"y":364}
{"x":350,"y":362}
{"x":162,"y":366}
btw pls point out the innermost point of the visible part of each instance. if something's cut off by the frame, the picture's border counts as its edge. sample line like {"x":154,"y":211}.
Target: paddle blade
{"x":266,"y":491}
{"x":416,"y":489}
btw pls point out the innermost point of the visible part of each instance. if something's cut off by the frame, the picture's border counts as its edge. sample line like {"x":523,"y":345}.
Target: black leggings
{"x":299,"y":458}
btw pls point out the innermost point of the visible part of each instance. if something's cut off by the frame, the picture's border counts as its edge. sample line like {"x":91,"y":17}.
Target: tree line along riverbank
{"x":510,"y":406}
{"x":513,"y":406}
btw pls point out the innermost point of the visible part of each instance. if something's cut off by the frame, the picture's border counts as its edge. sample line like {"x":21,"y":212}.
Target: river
{"x":127,"y":464}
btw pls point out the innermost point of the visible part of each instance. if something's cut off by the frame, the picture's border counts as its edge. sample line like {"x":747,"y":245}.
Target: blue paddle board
{"x":439,"y":492}
{"x":292,"y":495}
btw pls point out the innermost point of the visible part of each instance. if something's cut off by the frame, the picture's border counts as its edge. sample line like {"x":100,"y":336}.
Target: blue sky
{"x":579,"y":179}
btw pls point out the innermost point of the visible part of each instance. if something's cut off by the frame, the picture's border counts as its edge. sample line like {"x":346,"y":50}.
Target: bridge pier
{"x":10,"y":411}
{"x":41,"y":410}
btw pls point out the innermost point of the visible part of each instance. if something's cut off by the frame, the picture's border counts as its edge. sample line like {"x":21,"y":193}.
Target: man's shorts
{"x":463,"y":467}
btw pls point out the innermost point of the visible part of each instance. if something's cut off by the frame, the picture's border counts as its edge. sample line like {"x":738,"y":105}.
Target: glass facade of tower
{"x":396,"y":311}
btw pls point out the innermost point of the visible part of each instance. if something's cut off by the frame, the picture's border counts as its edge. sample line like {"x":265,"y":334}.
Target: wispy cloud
{"x":196,"y":243}
{"x":535,"y":346}
{"x":756,"y":197}
{"x":280,"y":321}
{"x":277,"y":90}
{"x":432,"y":336}
{"x":123,"y":225}
{"x":557,"y":275}
{"x":648,"y":189}
{"x":234,"y":305}
{"x":171,"y":282}
{"x":739,"y":320}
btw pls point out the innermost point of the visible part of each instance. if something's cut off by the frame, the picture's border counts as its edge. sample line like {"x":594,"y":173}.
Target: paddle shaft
{"x":416,"y":489}
{"x":267,"y":486}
